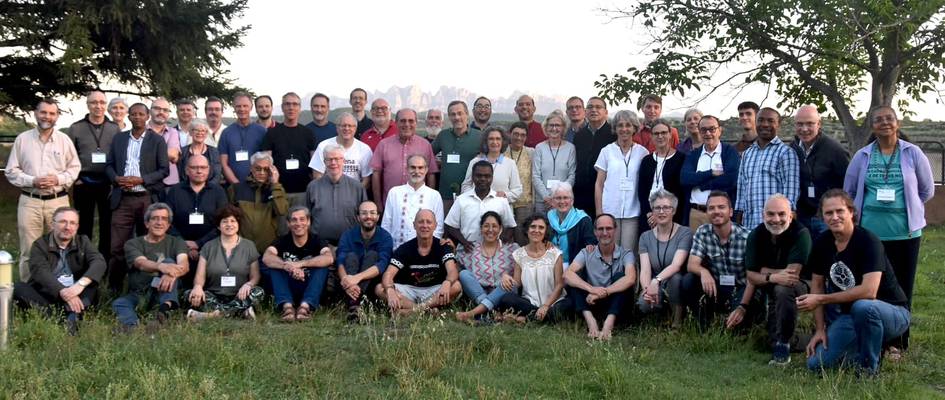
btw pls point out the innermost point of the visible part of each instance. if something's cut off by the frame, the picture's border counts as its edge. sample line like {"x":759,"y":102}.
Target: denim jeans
{"x":124,"y":306}
{"x":858,"y":336}
{"x":475,"y":291}
{"x":286,"y":289}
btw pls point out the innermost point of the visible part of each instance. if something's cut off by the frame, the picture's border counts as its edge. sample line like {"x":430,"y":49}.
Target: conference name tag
{"x":452,"y":158}
{"x":886,"y":195}
{"x":291,"y":164}
{"x":196,"y":218}
{"x":242,"y":155}
{"x":727,"y":280}
{"x":98,"y":157}
{"x":626,"y":183}
{"x":156,"y":282}
{"x":228,"y":281}
{"x":552,"y":183}
{"x":811,"y":193}
{"x":66,"y":280}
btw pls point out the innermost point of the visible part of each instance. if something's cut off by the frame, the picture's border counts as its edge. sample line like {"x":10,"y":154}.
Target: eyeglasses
{"x":660,"y":133}
{"x":662,"y":209}
{"x":369,"y":212}
{"x":161,"y":109}
{"x":482,"y":106}
{"x":888,"y":118}
{"x":555,"y":126}
{"x":708,"y":129}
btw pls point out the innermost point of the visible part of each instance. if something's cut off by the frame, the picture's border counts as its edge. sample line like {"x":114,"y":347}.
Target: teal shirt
{"x":453,"y":174}
{"x":886,"y":219}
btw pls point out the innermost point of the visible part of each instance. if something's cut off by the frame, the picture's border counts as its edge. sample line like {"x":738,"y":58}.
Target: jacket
{"x":153,"y":163}
{"x":82,"y":257}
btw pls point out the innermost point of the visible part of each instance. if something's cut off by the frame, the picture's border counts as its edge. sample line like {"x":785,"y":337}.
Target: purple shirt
{"x":172,"y":138}
{"x":918,"y":185}
{"x":390,"y":160}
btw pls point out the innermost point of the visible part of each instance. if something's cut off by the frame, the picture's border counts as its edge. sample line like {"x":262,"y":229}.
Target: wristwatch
{"x":81,"y":283}
{"x":658,"y":279}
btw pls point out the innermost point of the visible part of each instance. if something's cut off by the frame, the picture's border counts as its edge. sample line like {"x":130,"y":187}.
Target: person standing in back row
{"x":291,"y":146}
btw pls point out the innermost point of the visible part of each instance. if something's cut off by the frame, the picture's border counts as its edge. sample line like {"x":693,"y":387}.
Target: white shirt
{"x":505,"y":177}
{"x":357,"y":159}
{"x":401,"y":207}
{"x":213,"y":138}
{"x":468,"y":208}
{"x":538,"y":275}
{"x":706,"y":160}
{"x":619,"y":197}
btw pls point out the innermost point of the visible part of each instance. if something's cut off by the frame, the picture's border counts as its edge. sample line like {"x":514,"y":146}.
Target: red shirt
{"x":535,"y":134}
{"x":372,"y":137}
{"x":645,"y":138}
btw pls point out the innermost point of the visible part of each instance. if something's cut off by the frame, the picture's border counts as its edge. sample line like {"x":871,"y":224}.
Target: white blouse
{"x":619,"y":197}
{"x":538,"y":275}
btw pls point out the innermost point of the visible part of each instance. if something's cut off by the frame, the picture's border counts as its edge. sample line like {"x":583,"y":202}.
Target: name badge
{"x":228,"y":281}
{"x":552,"y":183}
{"x":291,"y":164}
{"x":886,"y":195}
{"x":811,"y":193}
{"x":66,"y":280}
{"x":98,"y":157}
{"x":242,"y":155}
{"x":727,"y":280}
{"x":626,"y":183}
{"x":452,"y":158}
{"x":196,"y":218}
{"x":155,"y":282}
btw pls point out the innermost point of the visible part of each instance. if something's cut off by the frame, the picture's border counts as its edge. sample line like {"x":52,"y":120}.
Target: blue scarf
{"x":561,"y":228}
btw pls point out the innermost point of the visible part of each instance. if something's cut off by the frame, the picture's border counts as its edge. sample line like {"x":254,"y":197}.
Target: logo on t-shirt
{"x":842,"y":276}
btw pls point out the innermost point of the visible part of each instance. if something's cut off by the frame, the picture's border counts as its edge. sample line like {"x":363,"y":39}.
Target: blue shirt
{"x":762,"y":173}
{"x":322,"y":133}
{"x":239,"y":138}
{"x":351,"y":243}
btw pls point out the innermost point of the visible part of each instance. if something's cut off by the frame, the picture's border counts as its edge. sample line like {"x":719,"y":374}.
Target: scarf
{"x":561,"y":228}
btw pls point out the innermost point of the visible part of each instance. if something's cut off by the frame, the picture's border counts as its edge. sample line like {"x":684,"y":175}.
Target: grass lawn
{"x":435,"y":357}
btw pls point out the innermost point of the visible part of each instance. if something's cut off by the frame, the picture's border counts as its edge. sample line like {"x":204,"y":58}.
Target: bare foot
{"x":464,"y":316}
{"x":604,"y":335}
{"x":593,"y":334}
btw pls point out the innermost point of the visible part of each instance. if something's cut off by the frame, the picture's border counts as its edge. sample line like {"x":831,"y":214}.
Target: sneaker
{"x":782,"y":354}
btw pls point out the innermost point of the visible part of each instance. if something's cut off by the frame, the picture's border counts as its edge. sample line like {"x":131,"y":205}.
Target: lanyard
{"x":658,"y":178}
{"x":554,"y":158}
{"x":662,"y":258}
{"x":887,"y":161}
{"x":626,"y":159}
{"x":226,"y":260}
{"x":610,"y":267}
{"x":98,"y":137}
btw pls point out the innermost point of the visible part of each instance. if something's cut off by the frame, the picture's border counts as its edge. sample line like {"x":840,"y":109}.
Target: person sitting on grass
{"x":298,"y":267}
{"x":866,"y":307}
{"x":422,"y":273}
{"x":600,"y":279}
{"x":538,"y":272}
{"x":227,"y":273}
{"x":487,"y":273}
{"x":65,"y":270}
{"x":363,"y":254}
{"x":663,"y":253}
{"x":156,"y":262}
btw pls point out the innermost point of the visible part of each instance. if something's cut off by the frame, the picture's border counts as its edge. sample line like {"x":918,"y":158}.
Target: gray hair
{"x":563,"y":186}
{"x":627,"y":116}
{"x":199,"y":122}
{"x":662,"y":121}
{"x":343,"y":115}
{"x":555,"y":114}
{"x":260,"y":156}
{"x":663,"y":194}
{"x":295,"y":209}
{"x":691,"y":111}
{"x":158,"y":206}
{"x":117,"y":100}
{"x":777,"y":196}
{"x":422,"y":157}
{"x":330,"y":148}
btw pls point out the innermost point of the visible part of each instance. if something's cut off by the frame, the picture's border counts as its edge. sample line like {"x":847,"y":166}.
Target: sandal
{"x":303,"y":314}
{"x":288,"y":313}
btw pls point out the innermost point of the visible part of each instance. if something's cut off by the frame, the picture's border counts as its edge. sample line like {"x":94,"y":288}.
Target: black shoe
{"x":72,"y":327}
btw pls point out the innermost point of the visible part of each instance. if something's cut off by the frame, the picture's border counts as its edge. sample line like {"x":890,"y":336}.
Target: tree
{"x":170,"y":48}
{"x":809,"y":51}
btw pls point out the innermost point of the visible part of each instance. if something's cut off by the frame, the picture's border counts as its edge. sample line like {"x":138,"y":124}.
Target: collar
{"x":54,"y":246}
{"x":472,"y":193}
{"x":718,"y":149}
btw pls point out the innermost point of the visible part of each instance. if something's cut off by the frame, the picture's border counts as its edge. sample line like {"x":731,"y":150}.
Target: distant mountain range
{"x":414,"y":97}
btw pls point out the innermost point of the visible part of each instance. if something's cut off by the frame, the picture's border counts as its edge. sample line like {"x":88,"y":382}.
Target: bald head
{"x":807,"y":124}
{"x":97,"y":105}
{"x":777,"y":214}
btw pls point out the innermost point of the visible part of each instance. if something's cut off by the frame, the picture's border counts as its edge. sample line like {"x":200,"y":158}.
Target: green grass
{"x":435,"y":357}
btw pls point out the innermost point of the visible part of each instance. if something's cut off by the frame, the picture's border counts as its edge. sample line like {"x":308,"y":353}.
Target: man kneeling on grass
{"x":156,"y":261}
{"x":600,"y":278}
{"x":422,"y":273}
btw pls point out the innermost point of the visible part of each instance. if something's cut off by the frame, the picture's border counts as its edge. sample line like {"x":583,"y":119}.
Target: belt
{"x":45,"y":196}
{"x":699,"y":207}
{"x":134,"y":194}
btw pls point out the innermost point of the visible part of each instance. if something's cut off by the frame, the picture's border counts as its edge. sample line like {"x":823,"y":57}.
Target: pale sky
{"x":554,"y":48}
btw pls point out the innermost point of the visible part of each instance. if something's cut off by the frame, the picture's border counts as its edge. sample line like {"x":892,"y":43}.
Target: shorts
{"x":417,"y":294}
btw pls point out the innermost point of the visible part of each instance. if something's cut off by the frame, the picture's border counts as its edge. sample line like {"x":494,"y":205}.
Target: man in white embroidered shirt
{"x":404,"y":201}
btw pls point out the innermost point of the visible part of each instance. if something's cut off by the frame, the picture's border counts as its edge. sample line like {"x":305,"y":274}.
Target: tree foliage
{"x":809,"y":51}
{"x":171,"y":48}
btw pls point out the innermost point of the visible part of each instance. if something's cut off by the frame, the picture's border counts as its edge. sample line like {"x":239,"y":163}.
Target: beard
{"x":44,"y":125}
{"x":775,"y":229}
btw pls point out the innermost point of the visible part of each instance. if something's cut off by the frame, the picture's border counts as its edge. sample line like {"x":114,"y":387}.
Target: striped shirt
{"x":762,"y":173}
{"x":133,"y":163}
{"x":32,"y":158}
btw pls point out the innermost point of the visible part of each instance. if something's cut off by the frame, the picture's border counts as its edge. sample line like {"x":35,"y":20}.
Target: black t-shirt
{"x":295,"y":143}
{"x":843,"y":270}
{"x":417,"y":270}
{"x":793,"y":247}
{"x":288,"y":251}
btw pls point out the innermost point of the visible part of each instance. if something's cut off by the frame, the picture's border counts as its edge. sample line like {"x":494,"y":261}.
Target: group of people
{"x":582,"y":215}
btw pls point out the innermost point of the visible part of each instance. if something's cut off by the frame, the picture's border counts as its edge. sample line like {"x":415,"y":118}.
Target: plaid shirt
{"x":728,"y":259}
{"x":762,"y":173}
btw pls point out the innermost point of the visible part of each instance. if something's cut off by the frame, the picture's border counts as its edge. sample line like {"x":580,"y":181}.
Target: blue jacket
{"x":704,"y":180}
{"x":351,"y":242}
